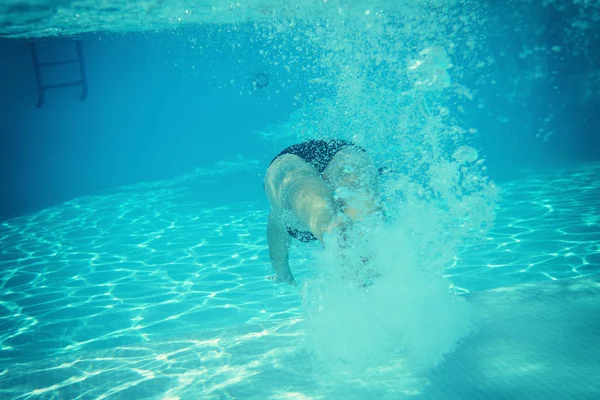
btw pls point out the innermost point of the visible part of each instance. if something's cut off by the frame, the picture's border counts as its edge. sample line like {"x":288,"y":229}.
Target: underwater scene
{"x":309,"y":199}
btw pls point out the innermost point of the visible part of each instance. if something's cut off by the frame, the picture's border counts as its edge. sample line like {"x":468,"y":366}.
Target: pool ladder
{"x":38,"y":71}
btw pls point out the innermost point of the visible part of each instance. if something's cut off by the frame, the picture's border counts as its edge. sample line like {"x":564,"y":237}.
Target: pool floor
{"x":146,"y":292}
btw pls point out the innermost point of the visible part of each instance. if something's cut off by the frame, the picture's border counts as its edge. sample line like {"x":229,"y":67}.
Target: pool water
{"x":475,"y":112}
{"x":146,"y":292}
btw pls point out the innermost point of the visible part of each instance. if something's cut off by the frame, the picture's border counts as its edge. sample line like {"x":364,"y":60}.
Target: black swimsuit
{"x":319,"y":154}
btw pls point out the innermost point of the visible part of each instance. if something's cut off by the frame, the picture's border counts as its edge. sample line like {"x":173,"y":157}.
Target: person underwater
{"x":316,"y":190}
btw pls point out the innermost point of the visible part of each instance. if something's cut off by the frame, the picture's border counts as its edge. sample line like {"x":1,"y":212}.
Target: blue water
{"x":147,"y":293}
{"x":133,"y":254}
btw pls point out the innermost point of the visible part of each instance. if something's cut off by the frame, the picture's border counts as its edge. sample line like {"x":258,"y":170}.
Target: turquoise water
{"x":133,"y":252}
{"x":145,"y":292}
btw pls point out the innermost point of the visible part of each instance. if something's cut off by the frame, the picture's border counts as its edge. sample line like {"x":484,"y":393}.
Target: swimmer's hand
{"x":290,"y":280}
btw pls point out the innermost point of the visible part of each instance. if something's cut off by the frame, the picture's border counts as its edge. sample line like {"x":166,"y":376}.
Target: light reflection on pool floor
{"x":146,"y":293}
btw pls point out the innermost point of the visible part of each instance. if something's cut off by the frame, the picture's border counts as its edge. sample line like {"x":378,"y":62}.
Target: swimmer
{"x":316,"y":189}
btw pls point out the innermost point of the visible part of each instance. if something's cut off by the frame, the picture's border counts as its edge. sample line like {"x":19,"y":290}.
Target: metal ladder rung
{"x":59,"y":85}
{"x":49,"y":64}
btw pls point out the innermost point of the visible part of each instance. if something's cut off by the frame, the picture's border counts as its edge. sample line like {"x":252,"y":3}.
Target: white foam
{"x":408,"y":312}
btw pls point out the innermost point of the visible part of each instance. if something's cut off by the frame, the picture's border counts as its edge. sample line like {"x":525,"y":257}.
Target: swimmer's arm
{"x":279,"y":248}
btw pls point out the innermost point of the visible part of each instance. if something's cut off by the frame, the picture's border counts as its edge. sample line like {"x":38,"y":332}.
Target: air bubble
{"x":358,"y":139}
{"x":465,"y":154}
{"x":342,"y":193}
{"x":429,"y":71}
